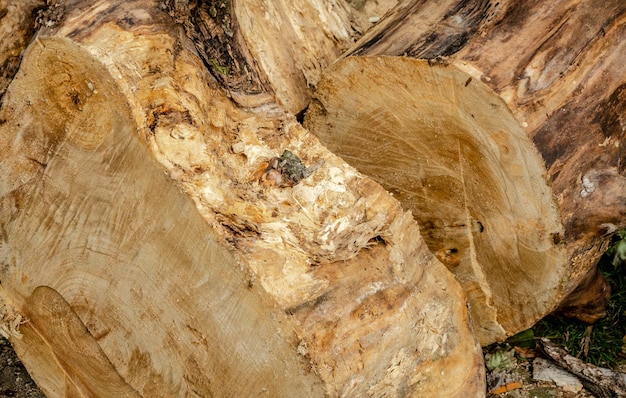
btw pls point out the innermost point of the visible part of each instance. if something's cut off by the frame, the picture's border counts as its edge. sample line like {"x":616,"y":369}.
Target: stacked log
{"x":170,"y":228}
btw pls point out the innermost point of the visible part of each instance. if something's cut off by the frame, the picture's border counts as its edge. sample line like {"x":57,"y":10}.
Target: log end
{"x":451,"y":152}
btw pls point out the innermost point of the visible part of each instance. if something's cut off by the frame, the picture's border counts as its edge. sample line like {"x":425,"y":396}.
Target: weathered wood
{"x":154,"y":247}
{"x":603,"y":382}
{"x":558,"y":68}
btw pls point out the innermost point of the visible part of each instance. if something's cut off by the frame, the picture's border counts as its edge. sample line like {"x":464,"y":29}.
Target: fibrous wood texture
{"x":157,"y":240}
{"x":457,"y":140}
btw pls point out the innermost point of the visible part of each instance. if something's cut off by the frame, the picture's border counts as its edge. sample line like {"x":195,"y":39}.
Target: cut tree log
{"x":159,"y":239}
{"x":457,"y":158}
{"x":464,"y":140}
{"x":281,"y":47}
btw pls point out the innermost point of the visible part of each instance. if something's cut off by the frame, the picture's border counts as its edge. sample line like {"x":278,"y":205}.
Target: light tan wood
{"x":100,"y":225}
{"x":293,"y":41}
{"x":440,"y":137}
{"x":452,"y":153}
{"x":145,"y":218}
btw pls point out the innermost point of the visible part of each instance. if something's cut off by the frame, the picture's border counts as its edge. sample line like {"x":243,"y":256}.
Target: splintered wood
{"x":141,"y":228}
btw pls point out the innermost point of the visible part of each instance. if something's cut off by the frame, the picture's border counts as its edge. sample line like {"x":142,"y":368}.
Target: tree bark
{"x":17,"y":19}
{"x":456,"y":141}
{"x":602,"y":382}
{"x":158,"y":240}
{"x":274,"y":51}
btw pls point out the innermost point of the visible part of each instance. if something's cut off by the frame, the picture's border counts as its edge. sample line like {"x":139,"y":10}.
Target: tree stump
{"x":161,"y":239}
{"x":507,"y":145}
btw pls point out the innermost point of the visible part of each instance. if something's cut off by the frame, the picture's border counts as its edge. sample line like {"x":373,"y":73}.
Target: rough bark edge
{"x":10,"y":318}
{"x":603,"y":382}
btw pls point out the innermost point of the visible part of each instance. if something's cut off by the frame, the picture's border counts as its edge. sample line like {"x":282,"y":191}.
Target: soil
{"x":14,"y":379}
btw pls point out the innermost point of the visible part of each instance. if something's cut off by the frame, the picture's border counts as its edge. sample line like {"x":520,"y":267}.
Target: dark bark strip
{"x":212,"y":26}
{"x":20,"y":21}
{"x":443,"y":38}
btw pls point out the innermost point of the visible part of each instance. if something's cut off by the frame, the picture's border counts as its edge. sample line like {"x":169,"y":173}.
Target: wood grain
{"x":556,"y":66}
{"x":132,"y":193}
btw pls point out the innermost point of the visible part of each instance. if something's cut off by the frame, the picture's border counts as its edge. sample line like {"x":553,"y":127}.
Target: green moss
{"x":224,"y":70}
{"x":500,"y":359}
